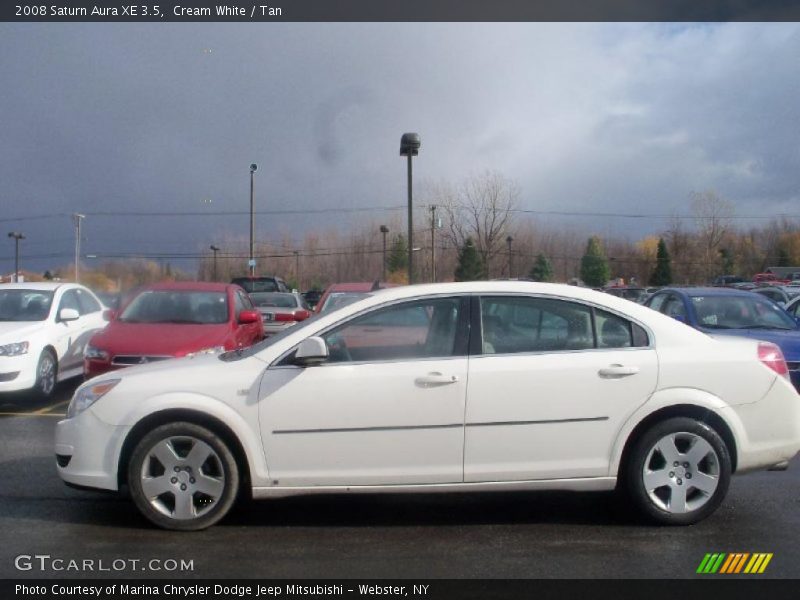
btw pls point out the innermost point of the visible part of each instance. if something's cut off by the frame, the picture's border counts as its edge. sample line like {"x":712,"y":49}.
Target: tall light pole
{"x":214,"y":249}
{"x":77,"y":219}
{"x":252,"y":262}
{"x":409,"y":146}
{"x":509,"y":239}
{"x":433,"y":243}
{"x":384,"y":231}
{"x":17,"y":237}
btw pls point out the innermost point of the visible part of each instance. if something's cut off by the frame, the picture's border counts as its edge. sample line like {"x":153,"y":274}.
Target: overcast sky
{"x":585,"y":117}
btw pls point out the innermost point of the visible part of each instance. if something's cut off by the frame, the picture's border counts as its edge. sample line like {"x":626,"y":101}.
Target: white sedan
{"x":44,"y":328}
{"x":450,"y":387}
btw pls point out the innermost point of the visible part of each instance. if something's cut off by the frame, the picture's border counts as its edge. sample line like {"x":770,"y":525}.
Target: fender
{"x":669,"y":398}
{"x":239,"y":424}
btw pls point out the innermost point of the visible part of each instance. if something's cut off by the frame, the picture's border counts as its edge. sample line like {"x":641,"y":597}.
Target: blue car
{"x":726,"y":311}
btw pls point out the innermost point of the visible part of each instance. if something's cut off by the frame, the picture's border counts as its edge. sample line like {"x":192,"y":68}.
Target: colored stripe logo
{"x":733,"y":563}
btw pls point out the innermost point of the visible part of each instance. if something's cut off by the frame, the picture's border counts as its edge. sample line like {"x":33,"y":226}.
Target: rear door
{"x":551,"y":382}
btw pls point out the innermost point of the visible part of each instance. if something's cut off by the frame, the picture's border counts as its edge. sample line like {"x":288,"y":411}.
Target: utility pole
{"x":384,"y":231}
{"x":77,"y":218}
{"x":252,"y":262}
{"x":297,"y":268}
{"x":509,"y":239}
{"x":433,"y":244}
{"x":215,"y":249}
{"x":409,"y":146}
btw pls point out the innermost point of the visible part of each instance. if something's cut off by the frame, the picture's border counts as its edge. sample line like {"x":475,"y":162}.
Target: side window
{"x":88,"y":304}
{"x":412,"y":330}
{"x":657,"y":301}
{"x":674,"y":307}
{"x":518,"y":324}
{"x":70,"y":300}
{"x":615,"y":332}
{"x":245,"y":302}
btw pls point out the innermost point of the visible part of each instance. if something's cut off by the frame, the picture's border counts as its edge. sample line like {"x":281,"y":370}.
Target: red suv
{"x":166,"y":320}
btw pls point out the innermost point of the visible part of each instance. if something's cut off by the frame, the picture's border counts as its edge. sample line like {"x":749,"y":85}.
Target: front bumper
{"x":18,"y":372}
{"x":87,"y":451}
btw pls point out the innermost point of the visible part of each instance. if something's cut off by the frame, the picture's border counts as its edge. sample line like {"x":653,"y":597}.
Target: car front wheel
{"x":183,"y":476}
{"x":678,"y":472}
{"x":46,"y":374}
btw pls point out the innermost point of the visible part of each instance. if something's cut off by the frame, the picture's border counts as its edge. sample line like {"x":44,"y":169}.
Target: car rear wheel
{"x":678,"y":472}
{"x":46,"y":374}
{"x":183,"y":476}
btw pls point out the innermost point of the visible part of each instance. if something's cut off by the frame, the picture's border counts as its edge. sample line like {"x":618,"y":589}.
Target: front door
{"x":386,"y":408}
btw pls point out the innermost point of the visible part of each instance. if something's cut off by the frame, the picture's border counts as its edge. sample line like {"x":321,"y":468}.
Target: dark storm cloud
{"x":597,"y":117}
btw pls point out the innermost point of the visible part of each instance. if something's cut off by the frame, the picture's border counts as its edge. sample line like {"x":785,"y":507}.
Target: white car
{"x":44,"y":328}
{"x":450,"y":387}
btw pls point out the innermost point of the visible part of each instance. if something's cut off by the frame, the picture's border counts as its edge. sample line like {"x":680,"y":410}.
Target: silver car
{"x":280,"y":310}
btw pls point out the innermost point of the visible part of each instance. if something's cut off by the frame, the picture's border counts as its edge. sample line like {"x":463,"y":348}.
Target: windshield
{"x":25,"y":305}
{"x":340,"y":299}
{"x":177,"y":306}
{"x":276,"y":299}
{"x":740,"y":312}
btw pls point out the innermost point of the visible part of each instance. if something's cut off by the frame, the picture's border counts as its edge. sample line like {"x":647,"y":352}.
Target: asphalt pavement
{"x":485,"y":535}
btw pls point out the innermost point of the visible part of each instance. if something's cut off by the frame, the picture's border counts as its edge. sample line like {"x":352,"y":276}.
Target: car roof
{"x":202,"y":286}
{"x":37,"y":285}
{"x":360,"y":286}
{"x":709,"y":291}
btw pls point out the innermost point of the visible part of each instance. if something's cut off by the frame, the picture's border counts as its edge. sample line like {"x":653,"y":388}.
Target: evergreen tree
{"x":470,"y":264}
{"x":542,"y":269}
{"x":662,"y":274}
{"x":783,"y":258}
{"x":595,"y":271}
{"x":398,"y":255}
{"x":728,"y":262}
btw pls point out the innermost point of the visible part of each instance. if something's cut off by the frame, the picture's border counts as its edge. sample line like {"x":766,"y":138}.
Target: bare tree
{"x":478,"y":208}
{"x":712,"y":214}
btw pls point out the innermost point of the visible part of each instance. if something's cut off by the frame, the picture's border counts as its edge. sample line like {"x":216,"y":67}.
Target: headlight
{"x":14,"y":349}
{"x":88,"y":394}
{"x":211,"y":350}
{"x":95,"y":353}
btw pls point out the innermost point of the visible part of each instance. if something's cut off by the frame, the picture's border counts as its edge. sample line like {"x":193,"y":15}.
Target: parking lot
{"x":508,"y":535}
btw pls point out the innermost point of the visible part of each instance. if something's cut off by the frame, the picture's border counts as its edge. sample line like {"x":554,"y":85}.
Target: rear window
{"x":266,"y":284}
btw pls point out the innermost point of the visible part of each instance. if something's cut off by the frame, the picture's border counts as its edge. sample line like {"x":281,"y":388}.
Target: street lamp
{"x":384,"y":231}
{"x":77,"y":218}
{"x":214,"y":249}
{"x":252,"y":262}
{"x":297,"y":267}
{"x":17,"y":237}
{"x":509,"y":239}
{"x":409,"y":146}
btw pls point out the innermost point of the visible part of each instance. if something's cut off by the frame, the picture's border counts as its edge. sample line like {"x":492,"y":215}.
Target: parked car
{"x":337,"y":295}
{"x":261,"y":284}
{"x":44,"y":328}
{"x":166,"y":320}
{"x":312,"y":297}
{"x":280,"y":310}
{"x":729,"y":312}
{"x":768,"y":278}
{"x":726,"y":280}
{"x":634,"y":294}
{"x":109,"y":299}
{"x":774,"y":293}
{"x":503,"y":386}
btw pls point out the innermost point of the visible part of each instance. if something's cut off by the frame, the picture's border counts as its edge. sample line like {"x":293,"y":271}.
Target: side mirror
{"x":797,"y":320}
{"x":109,"y":314}
{"x":311,"y":351}
{"x":249,"y":316}
{"x":68,"y":314}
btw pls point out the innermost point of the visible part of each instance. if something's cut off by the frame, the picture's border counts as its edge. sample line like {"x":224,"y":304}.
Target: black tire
{"x":46,"y":374}
{"x":677,"y":501}
{"x":181,"y":485}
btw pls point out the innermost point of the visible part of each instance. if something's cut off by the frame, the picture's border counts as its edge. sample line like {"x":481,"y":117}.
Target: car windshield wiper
{"x":181,"y":321}
{"x":765,"y":327}
{"x":709,"y":326}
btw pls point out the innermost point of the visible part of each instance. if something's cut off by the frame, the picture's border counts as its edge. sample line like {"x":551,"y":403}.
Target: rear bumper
{"x":771,"y":428}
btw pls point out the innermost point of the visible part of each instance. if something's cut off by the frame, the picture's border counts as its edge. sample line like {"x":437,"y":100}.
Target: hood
{"x":18,"y":331}
{"x":787,"y":340}
{"x":168,"y":339}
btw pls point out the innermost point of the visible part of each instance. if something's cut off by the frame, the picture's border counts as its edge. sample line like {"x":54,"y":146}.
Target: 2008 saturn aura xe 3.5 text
{"x":466,"y":386}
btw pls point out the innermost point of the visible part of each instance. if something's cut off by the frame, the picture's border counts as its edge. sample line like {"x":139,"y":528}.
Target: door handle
{"x":617,"y":371}
{"x":435,"y":379}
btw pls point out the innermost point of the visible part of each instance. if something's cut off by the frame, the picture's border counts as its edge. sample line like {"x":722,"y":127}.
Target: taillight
{"x":284,"y":317}
{"x":771,"y":355}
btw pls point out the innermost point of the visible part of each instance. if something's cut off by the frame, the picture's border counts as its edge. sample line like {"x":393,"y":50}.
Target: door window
{"x":412,"y":330}
{"x":70,"y":300}
{"x":87,"y":302}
